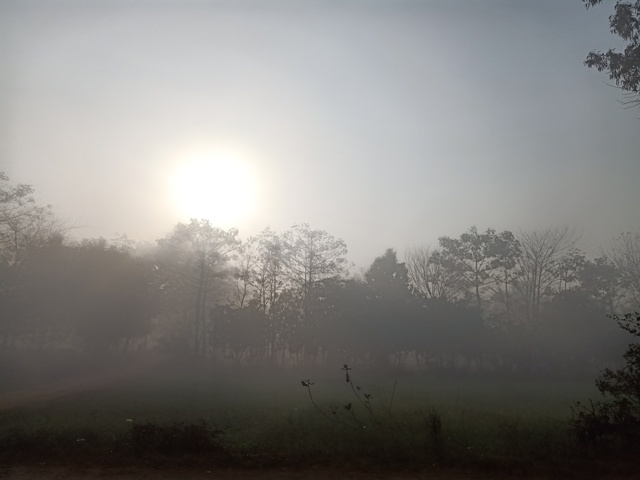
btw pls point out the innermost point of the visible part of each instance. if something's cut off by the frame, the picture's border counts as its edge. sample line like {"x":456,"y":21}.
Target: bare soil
{"x":34,"y":396}
{"x":139,"y":473}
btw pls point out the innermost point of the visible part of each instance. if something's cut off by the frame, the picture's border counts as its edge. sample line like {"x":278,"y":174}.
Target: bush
{"x":175,"y":439}
{"x":615,"y":421}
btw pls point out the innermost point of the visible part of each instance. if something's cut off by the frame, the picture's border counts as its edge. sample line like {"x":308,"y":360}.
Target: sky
{"x":385,"y":123}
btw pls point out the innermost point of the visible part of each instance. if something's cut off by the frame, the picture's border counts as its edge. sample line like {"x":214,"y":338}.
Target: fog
{"x":385,"y":124}
{"x":410,"y":189}
{"x":485,"y":302}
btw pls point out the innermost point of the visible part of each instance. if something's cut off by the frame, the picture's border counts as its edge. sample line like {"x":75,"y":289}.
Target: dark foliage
{"x":623,"y":67}
{"x":615,"y":421}
{"x":175,"y":439}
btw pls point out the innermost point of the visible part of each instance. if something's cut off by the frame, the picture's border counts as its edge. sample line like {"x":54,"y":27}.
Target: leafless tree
{"x":541,"y":250}
{"x":625,"y":254}
{"x":433,"y":274}
{"x":310,"y":256}
{"x":24,"y":225}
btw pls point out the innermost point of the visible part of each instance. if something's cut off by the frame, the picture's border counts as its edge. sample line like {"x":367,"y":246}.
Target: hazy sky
{"x":385,"y":123}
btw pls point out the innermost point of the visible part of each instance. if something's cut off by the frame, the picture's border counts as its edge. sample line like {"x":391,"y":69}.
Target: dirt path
{"x":78,"y":384}
{"x":66,"y":473}
{"x":23,"y":473}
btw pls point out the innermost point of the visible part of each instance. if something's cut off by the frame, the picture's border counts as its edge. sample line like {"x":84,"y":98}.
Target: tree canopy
{"x":484,"y":299}
{"x":623,"y":67}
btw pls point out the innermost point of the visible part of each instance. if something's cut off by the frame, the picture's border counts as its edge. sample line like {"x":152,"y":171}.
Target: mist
{"x":385,"y":126}
{"x":248,"y":206}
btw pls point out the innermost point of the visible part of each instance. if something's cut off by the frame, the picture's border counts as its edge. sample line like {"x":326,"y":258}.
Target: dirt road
{"x":136,"y":473}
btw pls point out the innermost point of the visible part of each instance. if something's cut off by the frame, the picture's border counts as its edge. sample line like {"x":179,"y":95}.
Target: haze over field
{"x":325,"y":238}
{"x":387,"y":124}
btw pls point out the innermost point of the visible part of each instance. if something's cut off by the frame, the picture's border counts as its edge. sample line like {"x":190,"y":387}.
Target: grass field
{"x":266,"y":418}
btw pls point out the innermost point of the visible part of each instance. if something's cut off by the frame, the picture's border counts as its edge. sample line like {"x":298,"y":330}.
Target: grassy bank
{"x":266,"y":418}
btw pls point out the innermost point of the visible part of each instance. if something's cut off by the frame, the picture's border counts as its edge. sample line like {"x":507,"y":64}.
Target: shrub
{"x":615,"y":421}
{"x":174,"y":439}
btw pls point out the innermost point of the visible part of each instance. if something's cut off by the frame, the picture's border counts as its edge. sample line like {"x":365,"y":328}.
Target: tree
{"x":25,"y":229}
{"x":105,"y":290}
{"x":261,"y":273}
{"x":41,"y":275}
{"x":505,"y":251}
{"x":260,"y":279}
{"x":434,"y":274}
{"x":240,"y":332}
{"x":625,"y":254}
{"x":90,"y":294}
{"x":192,"y":260}
{"x":276,"y":274}
{"x":449,"y":331}
{"x":387,"y":277}
{"x":287,"y":324}
{"x":600,"y":279}
{"x":311,"y":256}
{"x":23,"y":224}
{"x":567,"y":269}
{"x":474,"y":251}
{"x":618,"y":417}
{"x":394,"y":313}
{"x":541,"y":251}
{"x":573,"y":332}
{"x":623,"y":68}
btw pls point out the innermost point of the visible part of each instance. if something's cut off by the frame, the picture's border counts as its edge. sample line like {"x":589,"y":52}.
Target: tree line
{"x":485,"y":300}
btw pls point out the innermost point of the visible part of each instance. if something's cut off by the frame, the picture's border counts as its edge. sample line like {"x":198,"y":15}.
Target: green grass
{"x":266,"y":418}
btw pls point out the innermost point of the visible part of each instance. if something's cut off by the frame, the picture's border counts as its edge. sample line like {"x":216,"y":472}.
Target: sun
{"x":219,"y":185}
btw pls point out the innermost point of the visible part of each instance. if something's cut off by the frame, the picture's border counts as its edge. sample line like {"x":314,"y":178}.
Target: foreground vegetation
{"x":237,"y":417}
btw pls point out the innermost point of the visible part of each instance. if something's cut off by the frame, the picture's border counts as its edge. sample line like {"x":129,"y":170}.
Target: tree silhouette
{"x":23,"y":224}
{"x":541,"y":252}
{"x":618,"y":417}
{"x":625,"y":254}
{"x":435,"y":274}
{"x":195,"y":256}
{"x":623,"y":67}
{"x":311,"y":256}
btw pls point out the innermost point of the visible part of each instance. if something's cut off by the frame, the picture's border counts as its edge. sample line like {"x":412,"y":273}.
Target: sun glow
{"x":216,"y":184}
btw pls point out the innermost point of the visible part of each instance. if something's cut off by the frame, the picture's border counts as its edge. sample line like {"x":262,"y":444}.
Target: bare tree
{"x":275,"y":273}
{"x":268,"y":277}
{"x":243,"y":275}
{"x":310,"y":256}
{"x":541,"y":251}
{"x":24,"y":225}
{"x":625,"y":254}
{"x":567,"y":269}
{"x":434,"y":275}
{"x":260,"y":280}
